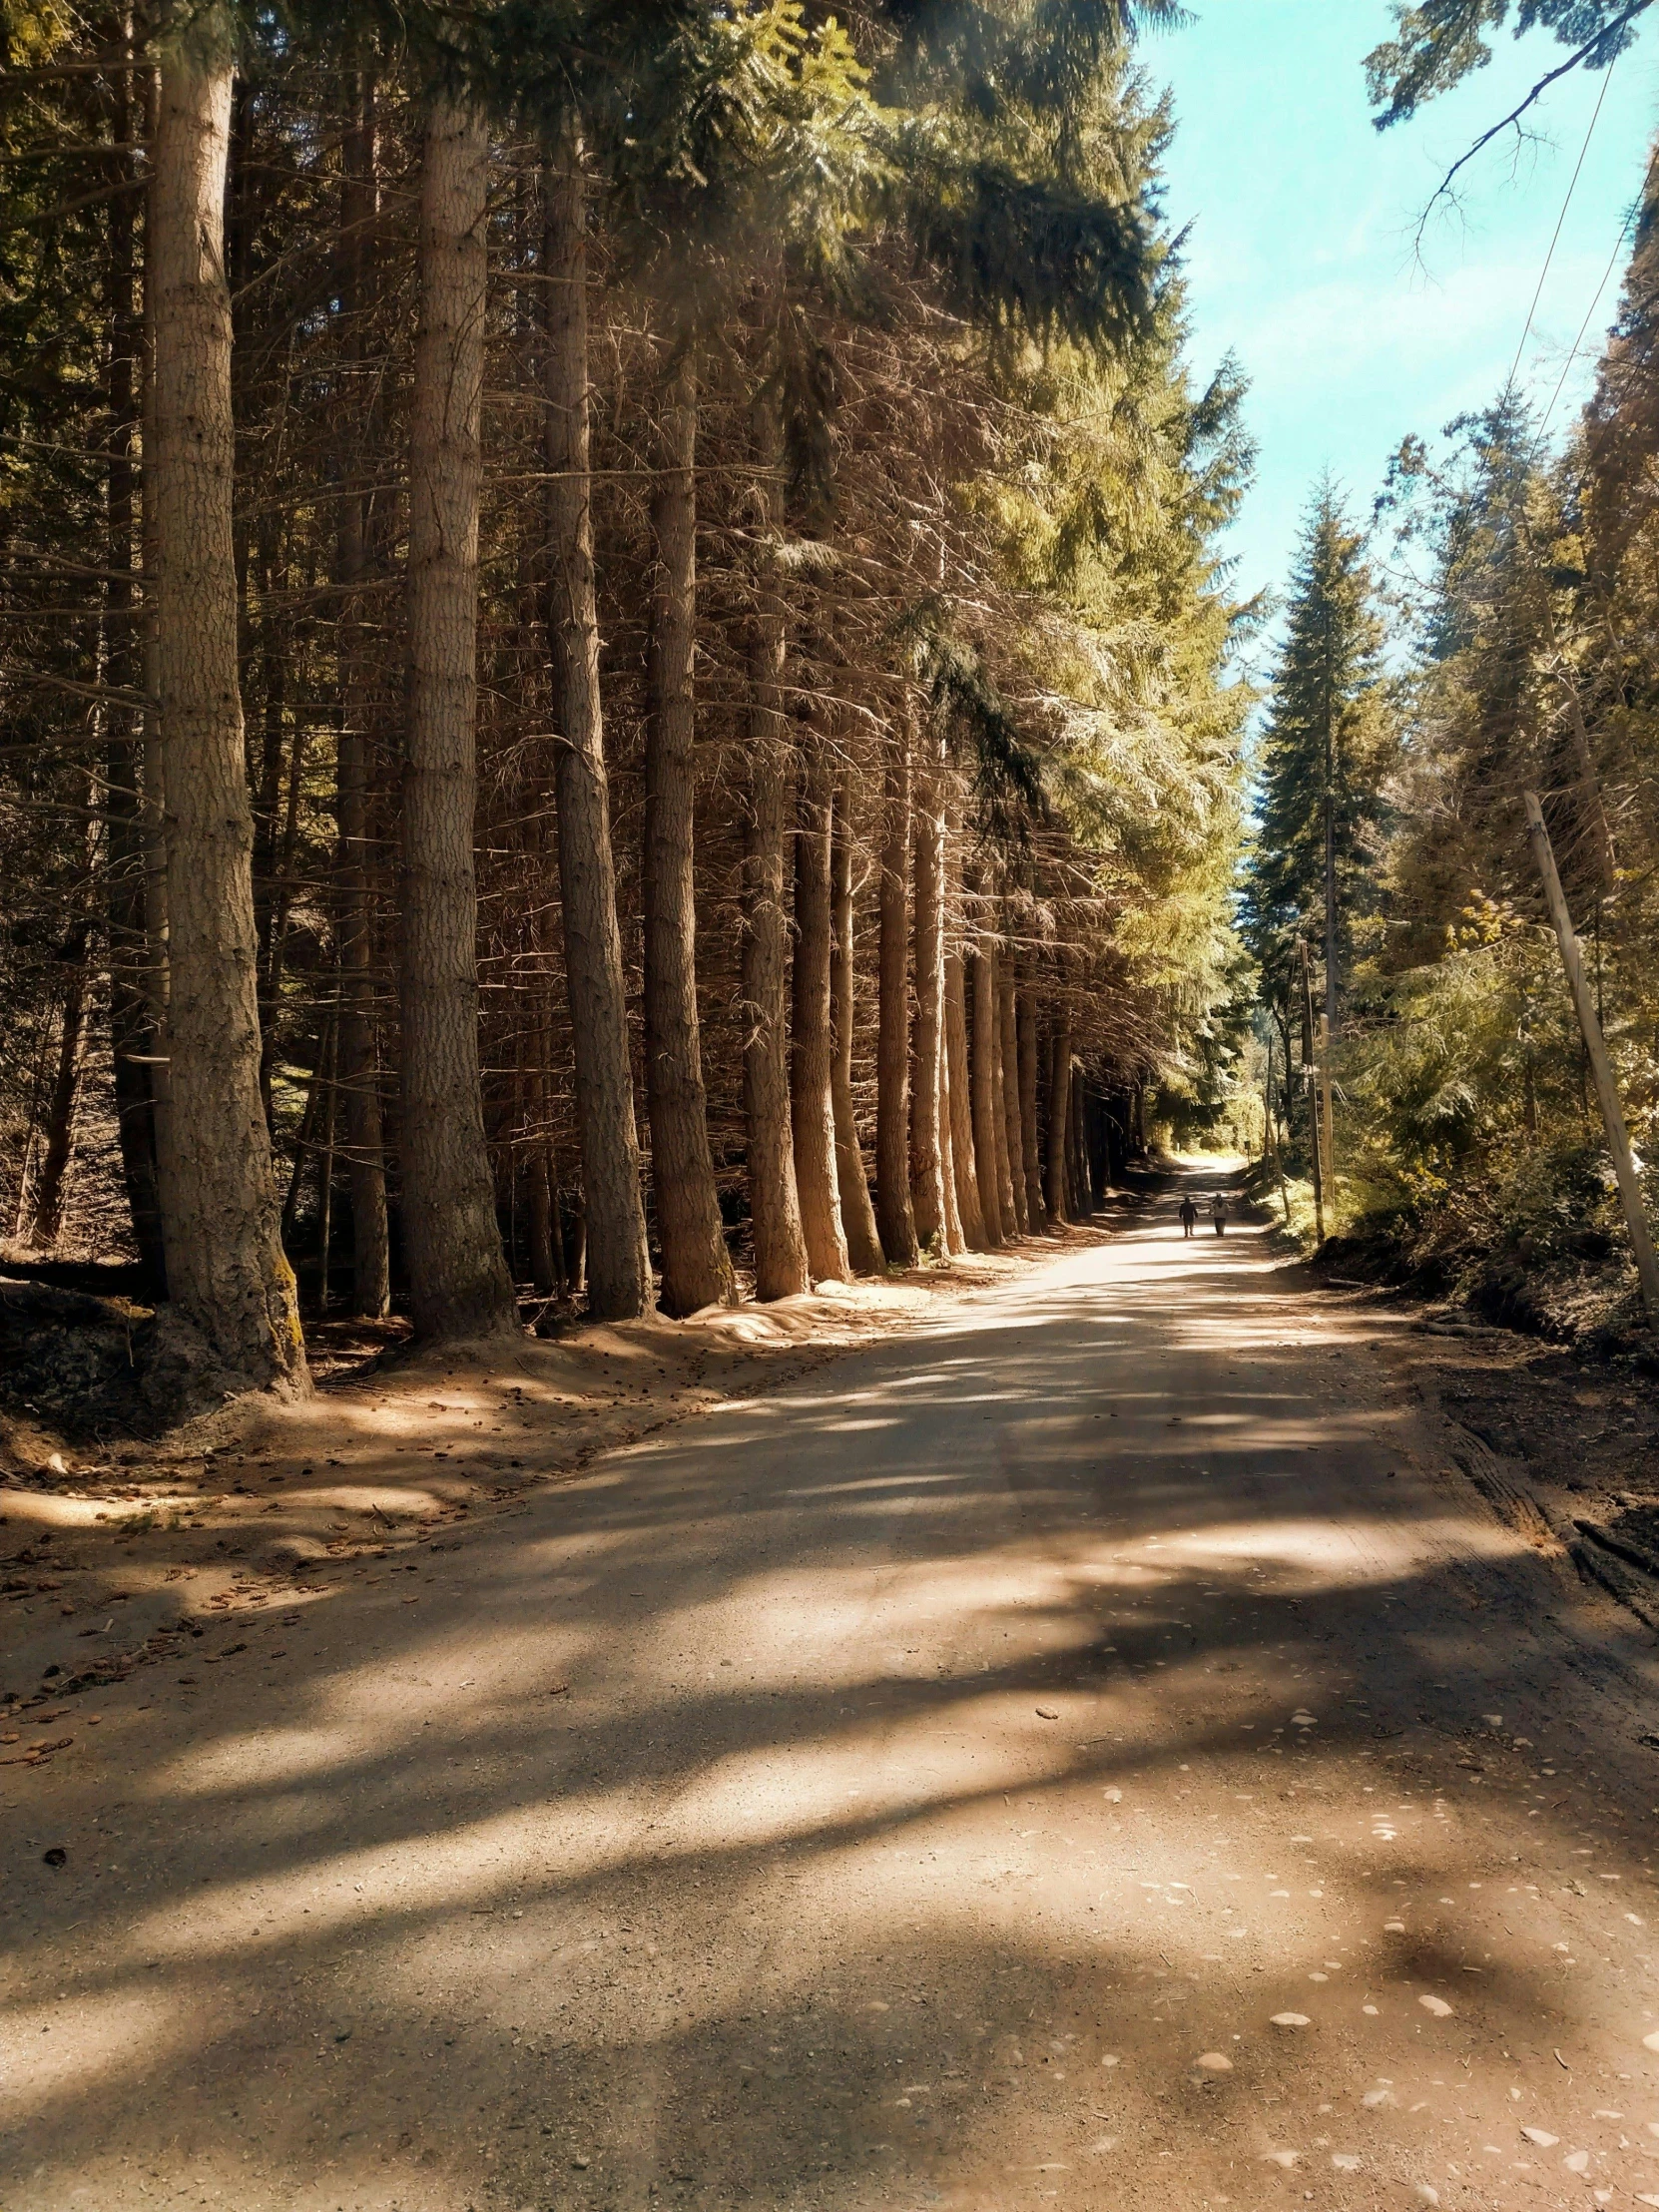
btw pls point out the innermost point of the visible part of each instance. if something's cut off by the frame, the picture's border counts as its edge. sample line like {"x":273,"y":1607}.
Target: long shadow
{"x":722,"y":1958}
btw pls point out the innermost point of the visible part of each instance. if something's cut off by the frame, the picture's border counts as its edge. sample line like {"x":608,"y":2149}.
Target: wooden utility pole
{"x":1612,"y":1113}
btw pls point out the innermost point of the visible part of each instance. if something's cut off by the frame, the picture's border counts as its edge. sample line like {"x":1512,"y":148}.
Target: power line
{"x":1578,"y":342}
{"x":1560,"y":220}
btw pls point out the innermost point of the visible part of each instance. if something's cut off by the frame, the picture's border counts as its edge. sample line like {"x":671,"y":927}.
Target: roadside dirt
{"x":1563,"y":1445}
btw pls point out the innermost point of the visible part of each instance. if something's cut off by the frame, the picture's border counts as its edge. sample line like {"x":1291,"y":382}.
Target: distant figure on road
{"x":1217,"y":1214}
{"x":1189,"y":1215}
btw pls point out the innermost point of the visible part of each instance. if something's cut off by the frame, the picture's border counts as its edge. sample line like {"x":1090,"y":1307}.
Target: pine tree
{"x":1325,"y":749}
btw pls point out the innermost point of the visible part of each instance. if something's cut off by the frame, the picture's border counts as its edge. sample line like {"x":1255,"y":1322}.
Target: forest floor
{"x":862,"y":1793}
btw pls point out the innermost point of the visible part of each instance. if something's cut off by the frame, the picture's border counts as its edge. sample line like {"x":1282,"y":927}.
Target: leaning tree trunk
{"x":773,"y":1201}
{"x":696,"y":1269}
{"x":986,"y":1101}
{"x":618,"y":1258}
{"x":1012,"y":1145}
{"x":863,"y":1244}
{"x":895,"y":1214}
{"x":811,"y":1111}
{"x":458,"y":1280}
{"x":359,"y":1064}
{"x":927,"y":1098}
{"x":1059,"y":1120}
{"x":1025,"y":1027}
{"x":225,"y":1268}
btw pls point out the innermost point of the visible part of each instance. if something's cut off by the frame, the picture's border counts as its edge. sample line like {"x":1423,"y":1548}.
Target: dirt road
{"x":1089,"y":1749}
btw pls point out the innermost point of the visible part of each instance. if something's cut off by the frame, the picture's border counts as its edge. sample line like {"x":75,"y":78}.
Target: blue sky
{"x":1302,"y":257}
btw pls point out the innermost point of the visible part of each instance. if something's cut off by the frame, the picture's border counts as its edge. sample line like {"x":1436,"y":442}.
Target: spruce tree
{"x":1325,"y":751}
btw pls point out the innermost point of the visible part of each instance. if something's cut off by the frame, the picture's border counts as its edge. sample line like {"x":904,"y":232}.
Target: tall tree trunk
{"x":458,"y":1280}
{"x":618,"y":1258}
{"x":1025,"y":1027}
{"x":360,"y":1065}
{"x":1059,"y":1120}
{"x":47,"y":1206}
{"x":225,"y":1268}
{"x":928,"y":1097}
{"x":863,"y":1244}
{"x":1083,"y":1191}
{"x":960,"y":1091}
{"x":773,"y":1201}
{"x":986,"y":1098}
{"x":696,"y":1269}
{"x":547,"y":1258}
{"x":1012,"y":1147}
{"x":132,"y":1037}
{"x":811,"y":1111}
{"x":955,"y":1242}
{"x":895,"y":1214}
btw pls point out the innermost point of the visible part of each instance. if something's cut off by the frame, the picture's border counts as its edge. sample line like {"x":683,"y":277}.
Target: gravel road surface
{"x":1092,"y":1748}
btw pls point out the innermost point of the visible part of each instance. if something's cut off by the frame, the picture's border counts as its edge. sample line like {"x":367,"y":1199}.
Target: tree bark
{"x":773,"y":1201}
{"x":863,"y":1244}
{"x":1012,"y":1147}
{"x":359,"y":1064}
{"x":811,"y":1111}
{"x":1059,"y":1121}
{"x":1025,"y":1027}
{"x":986,"y":1093}
{"x":955,"y":1242}
{"x":225,"y":1268}
{"x":1082,"y":1195}
{"x":47,"y":1204}
{"x":696,"y":1269}
{"x":959,"y":1092}
{"x":133,"y":1035}
{"x":618,"y":1260}
{"x":928,"y":1097}
{"x":895,"y":1214}
{"x":458,"y":1280}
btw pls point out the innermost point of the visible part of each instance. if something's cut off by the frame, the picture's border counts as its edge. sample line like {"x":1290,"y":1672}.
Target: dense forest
{"x":1484,"y":633}
{"x":618,"y":682}
{"x":622,"y":690}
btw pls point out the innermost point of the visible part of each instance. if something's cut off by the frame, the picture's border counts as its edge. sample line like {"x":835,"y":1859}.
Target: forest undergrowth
{"x":1455,"y":792}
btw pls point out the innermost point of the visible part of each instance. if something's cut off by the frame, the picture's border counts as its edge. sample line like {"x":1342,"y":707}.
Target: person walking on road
{"x":1189,"y":1215}
{"x":1217,"y":1214}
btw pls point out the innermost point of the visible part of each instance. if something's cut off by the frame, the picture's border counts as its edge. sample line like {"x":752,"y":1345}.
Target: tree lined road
{"x":1087,"y":1750}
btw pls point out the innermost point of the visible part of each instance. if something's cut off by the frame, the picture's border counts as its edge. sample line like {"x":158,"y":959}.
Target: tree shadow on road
{"x":801,"y":1807}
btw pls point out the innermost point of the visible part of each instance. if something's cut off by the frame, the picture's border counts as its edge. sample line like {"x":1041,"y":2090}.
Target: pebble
{"x":1541,"y":2137}
{"x":1215,"y":2061}
{"x":1438,"y":2006}
{"x":1290,"y":2019}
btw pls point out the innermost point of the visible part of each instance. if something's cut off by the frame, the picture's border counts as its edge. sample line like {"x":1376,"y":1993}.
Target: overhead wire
{"x":1560,"y":220}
